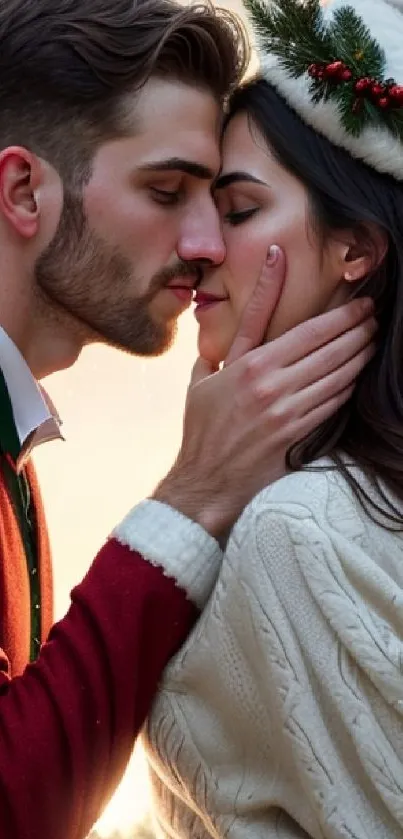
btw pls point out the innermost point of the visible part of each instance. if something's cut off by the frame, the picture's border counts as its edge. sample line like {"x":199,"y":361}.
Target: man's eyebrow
{"x":237,"y":177}
{"x":177,"y":164}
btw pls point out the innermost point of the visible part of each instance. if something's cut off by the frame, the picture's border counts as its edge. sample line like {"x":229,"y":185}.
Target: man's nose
{"x":202,"y":240}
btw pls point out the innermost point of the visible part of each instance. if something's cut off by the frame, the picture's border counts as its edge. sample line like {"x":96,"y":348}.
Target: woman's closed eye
{"x":235,"y":217}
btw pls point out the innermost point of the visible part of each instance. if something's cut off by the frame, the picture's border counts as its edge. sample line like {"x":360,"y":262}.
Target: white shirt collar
{"x":35,"y":416}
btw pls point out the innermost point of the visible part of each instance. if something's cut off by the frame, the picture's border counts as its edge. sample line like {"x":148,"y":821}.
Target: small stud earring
{"x":348,"y":276}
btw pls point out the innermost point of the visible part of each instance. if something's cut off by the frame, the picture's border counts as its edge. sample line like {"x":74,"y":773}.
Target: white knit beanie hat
{"x":340,"y":67}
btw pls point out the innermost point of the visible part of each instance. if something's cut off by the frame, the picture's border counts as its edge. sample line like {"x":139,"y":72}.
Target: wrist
{"x":195,"y":502}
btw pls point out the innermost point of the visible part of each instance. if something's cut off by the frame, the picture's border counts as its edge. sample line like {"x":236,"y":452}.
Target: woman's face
{"x":261,"y":204}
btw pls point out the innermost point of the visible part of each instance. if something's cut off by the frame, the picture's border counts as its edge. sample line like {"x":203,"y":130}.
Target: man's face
{"x":145,"y":219}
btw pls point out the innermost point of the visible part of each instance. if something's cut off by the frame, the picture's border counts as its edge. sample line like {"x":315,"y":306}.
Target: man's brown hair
{"x":67,"y":66}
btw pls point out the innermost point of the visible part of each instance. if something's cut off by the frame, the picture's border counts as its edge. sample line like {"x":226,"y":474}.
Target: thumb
{"x":261,"y":306}
{"x":201,"y":370}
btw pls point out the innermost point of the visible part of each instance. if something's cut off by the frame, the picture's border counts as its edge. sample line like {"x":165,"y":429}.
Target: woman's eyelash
{"x":239,"y":216}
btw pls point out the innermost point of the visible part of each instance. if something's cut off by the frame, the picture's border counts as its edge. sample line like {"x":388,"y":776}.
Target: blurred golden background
{"x":122,"y":423}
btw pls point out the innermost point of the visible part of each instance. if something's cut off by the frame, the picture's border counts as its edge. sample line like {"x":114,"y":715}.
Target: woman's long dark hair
{"x":345,"y":193}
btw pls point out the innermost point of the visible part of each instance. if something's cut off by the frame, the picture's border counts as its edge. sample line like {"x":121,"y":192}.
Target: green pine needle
{"x":292,"y":31}
{"x":355,"y":45}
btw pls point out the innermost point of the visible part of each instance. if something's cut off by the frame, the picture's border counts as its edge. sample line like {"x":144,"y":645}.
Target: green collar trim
{"x":9,"y":439}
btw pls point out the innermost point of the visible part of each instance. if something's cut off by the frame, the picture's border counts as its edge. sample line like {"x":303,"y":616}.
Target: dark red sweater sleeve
{"x":67,"y":725}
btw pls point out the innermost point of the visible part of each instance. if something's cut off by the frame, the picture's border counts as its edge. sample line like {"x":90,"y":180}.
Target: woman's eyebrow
{"x":236,"y":177}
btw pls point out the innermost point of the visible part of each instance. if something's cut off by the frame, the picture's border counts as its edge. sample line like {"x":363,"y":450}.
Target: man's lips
{"x":182,"y":290}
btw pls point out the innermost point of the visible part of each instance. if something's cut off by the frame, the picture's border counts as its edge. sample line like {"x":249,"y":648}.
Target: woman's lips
{"x":204,"y":300}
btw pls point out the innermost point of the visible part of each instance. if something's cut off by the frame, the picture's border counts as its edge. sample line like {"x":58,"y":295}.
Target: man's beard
{"x":88,"y":282}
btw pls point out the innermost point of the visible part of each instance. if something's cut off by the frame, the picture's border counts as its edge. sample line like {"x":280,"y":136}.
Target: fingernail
{"x":272,"y":255}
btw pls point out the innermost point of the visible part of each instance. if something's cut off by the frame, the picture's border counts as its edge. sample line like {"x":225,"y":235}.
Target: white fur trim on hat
{"x":376,"y":145}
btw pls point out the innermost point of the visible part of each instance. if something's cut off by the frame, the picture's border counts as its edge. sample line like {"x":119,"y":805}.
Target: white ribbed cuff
{"x":179,"y":546}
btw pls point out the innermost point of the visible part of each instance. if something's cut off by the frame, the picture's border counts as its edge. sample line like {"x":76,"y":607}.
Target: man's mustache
{"x":181,"y":270}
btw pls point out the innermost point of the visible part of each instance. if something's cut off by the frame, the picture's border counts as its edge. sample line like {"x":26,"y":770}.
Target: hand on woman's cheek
{"x":261,"y":204}
{"x":220,"y":322}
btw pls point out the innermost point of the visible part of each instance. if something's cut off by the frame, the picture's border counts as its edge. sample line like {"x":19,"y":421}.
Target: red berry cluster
{"x":336,"y":71}
{"x":385,"y":95}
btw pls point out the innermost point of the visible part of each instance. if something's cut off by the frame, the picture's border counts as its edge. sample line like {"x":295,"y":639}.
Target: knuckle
{"x":333,"y":356}
{"x":283,"y":414}
{"x":335,"y":382}
{"x":341,"y":351}
{"x":251,"y":371}
{"x":312,"y":333}
{"x":331,"y":388}
{"x":260,"y":388}
{"x":263,"y":393}
{"x":342,"y":378}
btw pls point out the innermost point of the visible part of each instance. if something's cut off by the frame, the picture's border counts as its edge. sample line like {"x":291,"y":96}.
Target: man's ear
{"x":20,"y":178}
{"x":366,"y":251}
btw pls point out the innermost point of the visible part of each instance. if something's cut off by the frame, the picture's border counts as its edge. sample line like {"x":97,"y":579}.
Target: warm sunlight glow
{"x":122,"y":422}
{"x":130,"y":804}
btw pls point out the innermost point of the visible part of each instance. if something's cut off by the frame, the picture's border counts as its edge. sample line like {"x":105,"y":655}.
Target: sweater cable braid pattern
{"x":282,"y":714}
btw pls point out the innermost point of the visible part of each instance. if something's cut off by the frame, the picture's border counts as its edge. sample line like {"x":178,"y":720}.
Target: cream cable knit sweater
{"x":282,"y":715}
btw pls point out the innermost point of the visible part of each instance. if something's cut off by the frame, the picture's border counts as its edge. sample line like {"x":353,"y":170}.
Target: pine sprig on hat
{"x":343,"y":60}
{"x":354,"y":44}
{"x":294,"y":32}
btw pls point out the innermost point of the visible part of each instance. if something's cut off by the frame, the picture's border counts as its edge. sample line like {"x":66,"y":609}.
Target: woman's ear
{"x":366,"y":251}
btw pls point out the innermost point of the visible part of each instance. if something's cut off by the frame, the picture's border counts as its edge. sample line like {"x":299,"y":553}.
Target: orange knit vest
{"x":15,"y":619}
